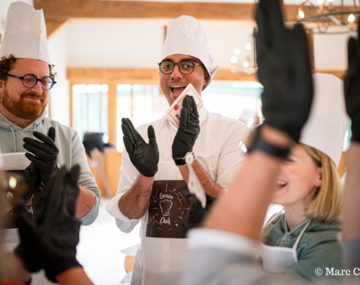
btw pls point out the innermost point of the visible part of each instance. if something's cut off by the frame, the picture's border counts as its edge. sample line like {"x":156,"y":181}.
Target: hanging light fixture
{"x":245,"y":62}
{"x":319,"y":16}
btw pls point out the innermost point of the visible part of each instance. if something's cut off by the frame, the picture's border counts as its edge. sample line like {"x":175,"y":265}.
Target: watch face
{"x":189,"y":158}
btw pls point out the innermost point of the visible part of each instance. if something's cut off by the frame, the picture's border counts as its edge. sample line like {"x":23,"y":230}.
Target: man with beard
{"x":154,"y":176}
{"x":26,"y":77}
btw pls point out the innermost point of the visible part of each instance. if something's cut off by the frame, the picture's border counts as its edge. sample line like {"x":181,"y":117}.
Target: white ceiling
{"x":139,"y":45}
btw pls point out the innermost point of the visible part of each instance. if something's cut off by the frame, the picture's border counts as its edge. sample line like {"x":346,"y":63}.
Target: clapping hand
{"x":144,"y":156}
{"x":43,"y":154}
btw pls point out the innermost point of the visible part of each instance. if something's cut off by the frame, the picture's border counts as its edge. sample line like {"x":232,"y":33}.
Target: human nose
{"x":176,"y":72}
{"x":37,"y":88}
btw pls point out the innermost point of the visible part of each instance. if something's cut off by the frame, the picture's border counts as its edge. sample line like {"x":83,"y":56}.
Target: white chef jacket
{"x":217,"y":150}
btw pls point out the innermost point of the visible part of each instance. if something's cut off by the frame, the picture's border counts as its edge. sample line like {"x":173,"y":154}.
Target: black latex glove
{"x":352,"y":87}
{"x":284,"y":70}
{"x":32,"y":180}
{"x":53,"y":236}
{"x":144,"y":156}
{"x":188,"y":131}
{"x":197,"y":213}
{"x":33,"y":262}
{"x":45,"y":153}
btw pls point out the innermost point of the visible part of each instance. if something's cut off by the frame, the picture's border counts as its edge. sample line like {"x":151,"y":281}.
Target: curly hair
{"x":7,"y":61}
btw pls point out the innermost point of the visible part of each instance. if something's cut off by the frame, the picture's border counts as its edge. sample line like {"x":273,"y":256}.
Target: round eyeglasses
{"x":185,"y":67}
{"x":30,"y":80}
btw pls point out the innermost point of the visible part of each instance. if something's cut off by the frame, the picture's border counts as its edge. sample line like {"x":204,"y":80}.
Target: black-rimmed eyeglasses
{"x":30,"y":80}
{"x":186,"y":67}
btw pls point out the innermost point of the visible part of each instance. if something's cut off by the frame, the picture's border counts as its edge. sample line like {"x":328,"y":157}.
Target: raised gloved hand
{"x":51,"y":239}
{"x":144,"y":156}
{"x":197,"y":214}
{"x":284,"y":70}
{"x":352,"y":87}
{"x":188,"y":131}
{"x":45,"y":153}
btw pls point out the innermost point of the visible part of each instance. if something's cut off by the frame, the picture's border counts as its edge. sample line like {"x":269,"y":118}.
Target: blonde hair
{"x":326,"y":204}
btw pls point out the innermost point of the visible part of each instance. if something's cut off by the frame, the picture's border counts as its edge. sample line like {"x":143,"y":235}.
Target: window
{"x":90,"y":109}
{"x":233,"y":99}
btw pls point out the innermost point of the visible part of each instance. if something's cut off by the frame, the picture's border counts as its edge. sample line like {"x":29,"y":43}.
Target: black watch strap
{"x":182,"y":160}
{"x":258,"y":143}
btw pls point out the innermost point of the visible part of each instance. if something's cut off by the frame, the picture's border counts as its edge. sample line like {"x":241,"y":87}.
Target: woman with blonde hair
{"x":303,"y":236}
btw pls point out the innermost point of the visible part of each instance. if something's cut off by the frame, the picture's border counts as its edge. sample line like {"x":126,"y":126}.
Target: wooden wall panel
{"x":111,"y":167}
{"x":95,"y":75}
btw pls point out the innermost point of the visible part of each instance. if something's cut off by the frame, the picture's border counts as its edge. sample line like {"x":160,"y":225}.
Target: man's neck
{"x":22,"y":123}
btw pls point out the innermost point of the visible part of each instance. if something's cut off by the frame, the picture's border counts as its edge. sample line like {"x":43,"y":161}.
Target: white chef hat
{"x":327,"y":124}
{"x":185,"y":35}
{"x":25,"y":33}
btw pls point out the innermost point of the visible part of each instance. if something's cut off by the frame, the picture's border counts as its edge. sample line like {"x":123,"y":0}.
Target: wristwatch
{"x":187,"y":159}
{"x":258,"y":143}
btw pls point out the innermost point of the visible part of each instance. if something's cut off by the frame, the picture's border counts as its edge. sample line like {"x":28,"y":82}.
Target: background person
{"x":152,"y":188}
{"x":304,"y":236}
{"x":49,"y":241}
{"x":26,"y":76}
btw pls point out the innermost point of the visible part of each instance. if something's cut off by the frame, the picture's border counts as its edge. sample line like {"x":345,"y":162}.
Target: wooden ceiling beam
{"x":61,"y":10}
{"x":53,"y":26}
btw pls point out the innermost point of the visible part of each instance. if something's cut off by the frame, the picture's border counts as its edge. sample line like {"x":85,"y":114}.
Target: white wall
{"x":60,"y":94}
{"x":116,"y":45}
{"x":330,"y":52}
{"x":224,"y":39}
{"x":125,"y":45}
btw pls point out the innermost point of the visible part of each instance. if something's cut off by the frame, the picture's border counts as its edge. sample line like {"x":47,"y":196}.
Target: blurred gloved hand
{"x":45,"y":153}
{"x":32,"y":180}
{"x":52,"y":238}
{"x":352,"y":87}
{"x":197,"y":214}
{"x":188,"y":131}
{"x":284,"y":70}
{"x":144,"y":156}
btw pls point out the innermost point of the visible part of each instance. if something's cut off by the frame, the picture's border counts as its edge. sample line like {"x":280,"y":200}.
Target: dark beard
{"x":21,"y":108}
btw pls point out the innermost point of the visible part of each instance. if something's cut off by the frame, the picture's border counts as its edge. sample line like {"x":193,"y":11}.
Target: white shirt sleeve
{"x":232,"y":156}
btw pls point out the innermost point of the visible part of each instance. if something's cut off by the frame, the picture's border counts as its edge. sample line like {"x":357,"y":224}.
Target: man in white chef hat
{"x":155,"y":176}
{"x":26,"y":76}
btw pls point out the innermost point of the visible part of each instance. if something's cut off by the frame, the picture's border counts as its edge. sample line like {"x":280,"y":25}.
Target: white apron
{"x":279,"y":259}
{"x":159,"y":260}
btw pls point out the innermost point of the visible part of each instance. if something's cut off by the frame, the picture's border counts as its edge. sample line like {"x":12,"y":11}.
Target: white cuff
{"x":123,"y":222}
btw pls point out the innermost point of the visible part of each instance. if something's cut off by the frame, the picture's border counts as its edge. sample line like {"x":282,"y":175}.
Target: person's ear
{"x":318,"y":180}
{"x":2,"y":85}
{"x":206,"y":77}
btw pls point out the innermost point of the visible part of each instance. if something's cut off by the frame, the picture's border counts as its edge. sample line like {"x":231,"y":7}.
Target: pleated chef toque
{"x":185,"y":35}
{"x":328,"y":122}
{"x":25,"y":33}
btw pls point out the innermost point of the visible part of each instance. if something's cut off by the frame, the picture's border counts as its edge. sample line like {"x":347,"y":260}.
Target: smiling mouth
{"x":176,"y":90}
{"x":33,"y":98}
{"x":280,"y":184}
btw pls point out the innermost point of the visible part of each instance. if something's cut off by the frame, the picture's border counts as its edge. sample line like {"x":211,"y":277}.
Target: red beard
{"x":22,"y":108}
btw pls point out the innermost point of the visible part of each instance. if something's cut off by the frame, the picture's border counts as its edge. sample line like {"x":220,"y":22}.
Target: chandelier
{"x":245,"y":61}
{"x":323,"y":17}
